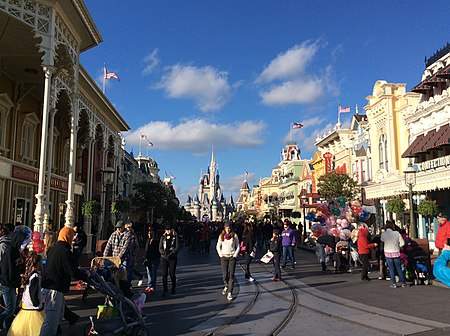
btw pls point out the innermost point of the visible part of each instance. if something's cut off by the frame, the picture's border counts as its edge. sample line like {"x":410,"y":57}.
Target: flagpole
{"x":147,"y":149}
{"x":104,"y":78}
{"x":339,"y":113}
{"x":140,"y":142}
{"x":290,"y":132}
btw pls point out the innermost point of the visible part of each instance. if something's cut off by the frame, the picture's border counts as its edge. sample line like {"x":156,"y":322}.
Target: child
{"x":28,"y":321}
{"x":275,"y":248}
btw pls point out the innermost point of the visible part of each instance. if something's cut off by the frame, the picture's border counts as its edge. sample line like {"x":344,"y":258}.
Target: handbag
{"x":266,"y":258}
{"x":242,"y":248}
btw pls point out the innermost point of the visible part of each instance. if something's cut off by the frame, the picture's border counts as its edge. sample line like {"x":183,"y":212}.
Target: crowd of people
{"x":33,"y":281}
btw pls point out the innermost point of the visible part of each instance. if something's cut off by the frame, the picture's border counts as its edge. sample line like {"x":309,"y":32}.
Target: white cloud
{"x":233,"y":184}
{"x":286,"y":80}
{"x":207,"y":86}
{"x":197,"y":135}
{"x":294,"y":92}
{"x":289,"y":64}
{"x":151,"y":61}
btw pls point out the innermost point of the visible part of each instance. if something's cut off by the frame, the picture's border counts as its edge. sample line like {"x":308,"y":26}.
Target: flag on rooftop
{"x":110,"y":74}
{"x":297,"y":125}
{"x":344,"y":109}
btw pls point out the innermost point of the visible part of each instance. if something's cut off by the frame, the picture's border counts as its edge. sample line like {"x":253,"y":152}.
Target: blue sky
{"x":234,"y":75}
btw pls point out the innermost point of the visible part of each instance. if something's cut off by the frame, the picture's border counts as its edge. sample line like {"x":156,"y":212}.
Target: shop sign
{"x":443,"y":161}
{"x":32,"y":176}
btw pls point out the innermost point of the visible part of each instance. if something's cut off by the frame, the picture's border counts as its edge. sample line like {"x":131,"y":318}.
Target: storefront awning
{"x":444,"y":136}
{"x":411,"y":150}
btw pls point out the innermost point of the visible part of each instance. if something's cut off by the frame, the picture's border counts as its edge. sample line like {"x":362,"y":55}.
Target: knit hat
{"x":66,"y":234}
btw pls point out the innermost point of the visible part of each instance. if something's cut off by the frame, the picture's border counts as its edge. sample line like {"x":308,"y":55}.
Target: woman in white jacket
{"x":228,"y":249}
{"x":393,"y":241}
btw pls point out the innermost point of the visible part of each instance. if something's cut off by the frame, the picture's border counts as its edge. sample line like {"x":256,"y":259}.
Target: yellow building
{"x":386,"y":110}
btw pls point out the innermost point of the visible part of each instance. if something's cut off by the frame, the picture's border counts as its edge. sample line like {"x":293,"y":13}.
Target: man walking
{"x":443,"y":232}
{"x":288,"y":243}
{"x":118,"y":243}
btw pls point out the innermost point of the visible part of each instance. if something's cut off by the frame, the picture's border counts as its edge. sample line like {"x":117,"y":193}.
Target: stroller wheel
{"x":140,"y":331}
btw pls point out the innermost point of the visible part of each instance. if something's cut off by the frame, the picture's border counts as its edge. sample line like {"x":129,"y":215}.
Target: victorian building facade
{"x":58,"y":131}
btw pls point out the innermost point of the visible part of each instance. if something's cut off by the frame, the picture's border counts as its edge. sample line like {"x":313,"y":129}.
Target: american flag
{"x":109,"y":75}
{"x":344,"y":109}
{"x":297,"y":125}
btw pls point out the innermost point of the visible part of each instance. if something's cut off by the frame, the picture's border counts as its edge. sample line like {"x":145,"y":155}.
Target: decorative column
{"x":74,"y":118}
{"x":49,"y":166}
{"x":88,"y":193}
{"x":40,"y":196}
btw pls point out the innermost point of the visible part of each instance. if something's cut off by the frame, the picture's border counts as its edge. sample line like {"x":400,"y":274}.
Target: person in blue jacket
{"x":440,"y":269}
{"x":288,"y":243}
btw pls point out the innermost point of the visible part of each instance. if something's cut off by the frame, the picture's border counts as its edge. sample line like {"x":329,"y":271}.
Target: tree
{"x":153,"y":198}
{"x":120,"y":207}
{"x":333,"y":185}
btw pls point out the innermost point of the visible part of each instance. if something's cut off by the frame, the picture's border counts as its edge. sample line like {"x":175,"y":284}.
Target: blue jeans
{"x":394,"y":264}
{"x":10,"y":299}
{"x":288,"y":250}
{"x":54,"y":311}
{"x":152,"y":270}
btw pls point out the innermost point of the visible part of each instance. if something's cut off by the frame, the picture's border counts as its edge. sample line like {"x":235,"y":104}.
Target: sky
{"x":233,"y":76}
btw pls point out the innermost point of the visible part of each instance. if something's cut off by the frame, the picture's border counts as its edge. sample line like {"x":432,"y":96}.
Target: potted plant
{"x":91,"y":208}
{"x":395,"y":205}
{"x":428,"y":209}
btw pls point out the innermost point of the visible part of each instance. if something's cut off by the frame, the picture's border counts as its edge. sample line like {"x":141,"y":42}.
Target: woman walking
{"x":228,"y":249}
{"x":248,"y":242}
{"x":152,"y":258}
{"x":393,"y":241}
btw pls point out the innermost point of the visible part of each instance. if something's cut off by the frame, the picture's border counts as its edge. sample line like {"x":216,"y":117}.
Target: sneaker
{"x":224,"y":291}
{"x":151,"y":290}
{"x":251,"y":279}
{"x":140,"y":283}
{"x":381,"y":278}
{"x":388,"y":278}
{"x":404,"y":285}
{"x":274,"y":279}
{"x":393,"y":286}
{"x":229,"y":297}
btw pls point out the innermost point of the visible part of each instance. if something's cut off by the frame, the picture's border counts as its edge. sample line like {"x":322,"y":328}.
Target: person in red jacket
{"x":443,"y":232}
{"x":364,"y":250}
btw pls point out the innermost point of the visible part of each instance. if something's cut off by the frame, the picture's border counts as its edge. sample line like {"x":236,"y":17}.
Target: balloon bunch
{"x":337,"y":217}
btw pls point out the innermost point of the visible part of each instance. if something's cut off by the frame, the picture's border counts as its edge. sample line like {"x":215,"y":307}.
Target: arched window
{"x":382,"y":152}
{"x":28,"y":140}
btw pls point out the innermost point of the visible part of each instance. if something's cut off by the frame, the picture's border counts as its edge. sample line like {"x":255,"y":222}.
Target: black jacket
{"x":12,"y":264}
{"x":169,"y":247}
{"x":60,"y":267}
{"x":275,"y":246}
{"x":152,"y":252}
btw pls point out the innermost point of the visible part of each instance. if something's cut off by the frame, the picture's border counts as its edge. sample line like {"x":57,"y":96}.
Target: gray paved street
{"x":307,"y":301}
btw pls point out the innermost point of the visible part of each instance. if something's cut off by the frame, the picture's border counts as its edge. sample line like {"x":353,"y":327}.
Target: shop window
{"x":5,"y":106}
{"x":382,"y":152}
{"x":28,"y":139}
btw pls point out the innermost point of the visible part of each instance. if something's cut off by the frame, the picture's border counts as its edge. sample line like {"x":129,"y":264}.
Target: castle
{"x":210,"y":203}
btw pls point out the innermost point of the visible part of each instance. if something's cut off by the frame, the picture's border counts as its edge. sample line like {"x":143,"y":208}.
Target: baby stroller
{"x":126,"y":319}
{"x":342,"y":257}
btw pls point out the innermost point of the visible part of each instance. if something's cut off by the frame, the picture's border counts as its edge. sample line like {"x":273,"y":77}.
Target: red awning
{"x":431,"y":141}
{"x":444,"y":73}
{"x":421,"y":88}
{"x":410,"y":151}
{"x":433,"y":80}
{"x":444,"y":136}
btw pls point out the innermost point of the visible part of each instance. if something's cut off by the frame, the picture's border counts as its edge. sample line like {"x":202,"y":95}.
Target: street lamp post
{"x":304,"y":202}
{"x":410,"y":182}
